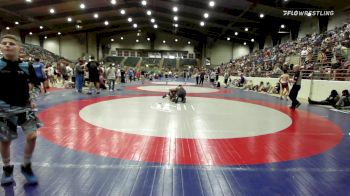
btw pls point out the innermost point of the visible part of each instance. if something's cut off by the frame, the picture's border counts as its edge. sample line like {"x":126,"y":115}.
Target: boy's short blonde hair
{"x":10,"y":36}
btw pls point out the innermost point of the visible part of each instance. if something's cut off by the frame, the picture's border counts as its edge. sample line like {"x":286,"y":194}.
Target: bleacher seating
{"x":190,"y":62}
{"x":169,"y":63}
{"x":114,"y":59}
{"x":131,"y":61}
{"x":34,"y":51}
{"x":325,"y":52}
{"x":152,"y":62}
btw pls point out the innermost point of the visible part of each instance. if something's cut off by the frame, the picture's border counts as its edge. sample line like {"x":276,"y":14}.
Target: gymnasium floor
{"x":220,"y":142}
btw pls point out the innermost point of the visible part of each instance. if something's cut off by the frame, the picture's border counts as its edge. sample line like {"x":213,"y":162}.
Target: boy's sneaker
{"x":7,"y":175}
{"x":28,"y":174}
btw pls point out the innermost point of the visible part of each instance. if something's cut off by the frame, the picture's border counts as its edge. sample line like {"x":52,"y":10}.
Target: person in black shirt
{"x":332,"y":99}
{"x":94,"y":75}
{"x":17,"y":78}
{"x":296,"y":87}
{"x":180,"y":93}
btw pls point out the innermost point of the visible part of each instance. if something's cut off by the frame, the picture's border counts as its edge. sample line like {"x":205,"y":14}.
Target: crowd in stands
{"x":169,"y":63}
{"x":150,"y":62}
{"x":322,"y":52}
{"x":32,"y":51}
{"x":131,"y":61}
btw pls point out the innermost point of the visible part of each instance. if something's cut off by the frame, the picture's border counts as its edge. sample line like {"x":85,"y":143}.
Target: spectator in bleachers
{"x":303,"y":55}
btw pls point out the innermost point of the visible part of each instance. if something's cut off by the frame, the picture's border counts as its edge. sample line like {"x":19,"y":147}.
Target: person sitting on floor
{"x":344,"y":100}
{"x":332,"y":99}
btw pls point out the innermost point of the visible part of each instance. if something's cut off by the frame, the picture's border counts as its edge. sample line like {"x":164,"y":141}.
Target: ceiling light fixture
{"x":144,"y":3}
{"x":246,"y":29}
{"x":16,"y":23}
{"x":30,"y":33}
{"x":29,"y":1}
{"x":69,"y":19}
{"x":106,"y":23}
{"x":122,"y":11}
{"x":212,"y":3}
{"x":262,"y":15}
{"x":164,"y":41}
{"x":202,"y":23}
{"x":137,"y":41}
{"x":176,"y":18}
{"x":134,"y":25}
{"x":7,"y":28}
{"x":176,"y":40}
{"x":113,"y":2}
{"x":245,"y":43}
{"x":122,"y":38}
{"x":41,"y":27}
{"x":96,"y":15}
{"x":59,"y":33}
{"x":155,"y":26}
{"x":252,"y":40}
{"x":188,"y":42}
{"x":82,"y":6}
{"x":149,"y":12}
{"x":283,"y":26}
{"x":176,"y":25}
{"x":129,"y":19}
{"x":228,"y":38}
{"x":175,"y":9}
{"x":206,"y":15}
{"x":52,"y":11}
{"x":45,"y":37}
{"x":112,"y":40}
{"x":153,"y":20}
{"x":148,"y":39}
{"x":236,"y":33}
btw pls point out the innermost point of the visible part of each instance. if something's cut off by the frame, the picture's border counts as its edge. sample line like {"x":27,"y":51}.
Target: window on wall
{"x":120,"y":53}
{"x":132,"y":53}
{"x":138,"y":54}
{"x":190,"y":56}
{"x":126,"y":53}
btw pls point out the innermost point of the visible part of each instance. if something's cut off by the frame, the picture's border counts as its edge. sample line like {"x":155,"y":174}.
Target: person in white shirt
{"x":111,"y":77}
{"x":303,"y":55}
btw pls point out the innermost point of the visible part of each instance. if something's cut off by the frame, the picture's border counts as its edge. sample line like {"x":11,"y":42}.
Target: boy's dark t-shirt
{"x":14,"y":83}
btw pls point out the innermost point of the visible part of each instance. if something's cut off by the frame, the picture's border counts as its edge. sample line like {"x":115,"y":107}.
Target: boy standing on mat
{"x":17,"y":78}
